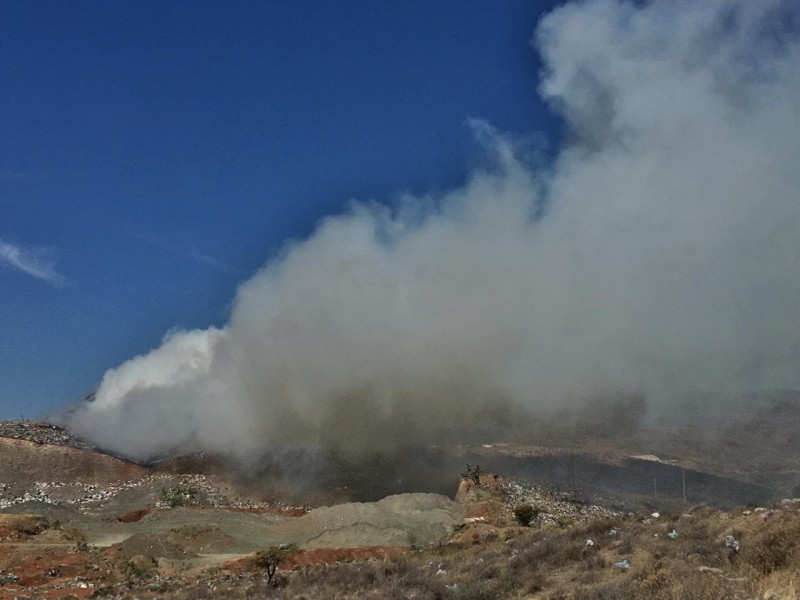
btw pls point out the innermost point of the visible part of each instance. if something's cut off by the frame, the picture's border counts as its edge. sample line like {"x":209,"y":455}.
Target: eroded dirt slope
{"x":24,"y":462}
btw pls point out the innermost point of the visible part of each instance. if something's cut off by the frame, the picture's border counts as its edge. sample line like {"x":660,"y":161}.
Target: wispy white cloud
{"x":36,"y":262}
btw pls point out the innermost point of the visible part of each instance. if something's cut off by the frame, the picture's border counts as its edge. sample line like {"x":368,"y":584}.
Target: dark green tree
{"x":270,"y":558}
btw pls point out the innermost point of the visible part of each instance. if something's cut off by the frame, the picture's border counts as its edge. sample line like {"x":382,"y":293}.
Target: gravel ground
{"x":555,"y":507}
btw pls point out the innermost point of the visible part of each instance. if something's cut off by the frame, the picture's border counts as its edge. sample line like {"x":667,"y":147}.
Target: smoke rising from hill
{"x":658,"y":258}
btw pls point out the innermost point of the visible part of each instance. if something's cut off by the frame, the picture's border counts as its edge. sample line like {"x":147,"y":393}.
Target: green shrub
{"x":270,"y":558}
{"x":524,"y":514}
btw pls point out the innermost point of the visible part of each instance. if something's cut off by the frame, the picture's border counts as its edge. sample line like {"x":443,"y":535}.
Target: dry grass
{"x":556,"y":564}
{"x":775,"y":546}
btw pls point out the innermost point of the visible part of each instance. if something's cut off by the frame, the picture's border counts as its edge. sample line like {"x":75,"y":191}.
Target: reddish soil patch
{"x":483,"y":501}
{"x":477,"y":511}
{"x":133,"y":516}
{"x":467,"y":489}
{"x":55,"y":571}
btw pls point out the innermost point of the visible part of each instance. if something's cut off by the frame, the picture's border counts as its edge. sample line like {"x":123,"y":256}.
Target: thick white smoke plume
{"x":658,"y":256}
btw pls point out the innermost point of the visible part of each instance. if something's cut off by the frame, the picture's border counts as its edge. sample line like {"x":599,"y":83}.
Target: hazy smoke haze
{"x":658,"y":256}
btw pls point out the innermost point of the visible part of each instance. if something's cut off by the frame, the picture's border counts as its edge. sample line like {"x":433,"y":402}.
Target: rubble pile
{"x":196,"y":490}
{"x":554,"y":507}
{"x":41,"y":433}
{"x":93,"y":495}
{"x":73,"y":493}
{"x":400,"y":520}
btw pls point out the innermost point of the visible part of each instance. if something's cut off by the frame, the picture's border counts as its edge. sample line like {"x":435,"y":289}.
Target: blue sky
{"x":154,"y":154}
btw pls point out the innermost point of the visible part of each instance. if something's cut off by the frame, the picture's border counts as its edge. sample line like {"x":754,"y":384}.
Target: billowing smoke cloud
{"x":659,"y":257}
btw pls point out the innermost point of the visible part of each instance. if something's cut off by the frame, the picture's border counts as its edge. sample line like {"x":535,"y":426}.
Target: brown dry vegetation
{"x":489,"y":557}
{"x":546,"y":564}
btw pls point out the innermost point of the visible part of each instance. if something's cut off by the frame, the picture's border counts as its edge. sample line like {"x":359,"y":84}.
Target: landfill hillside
{"x":754,"y":442}
{"x":580,"y":520}
{"x":26,"y":463}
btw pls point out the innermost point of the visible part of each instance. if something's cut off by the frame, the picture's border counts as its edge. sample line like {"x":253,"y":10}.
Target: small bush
{"x":474,"y":593}
{"x":564,"y":522}
{"x":524,"y":514}
{"x":553,"y":552}
{"x":601,"y":526}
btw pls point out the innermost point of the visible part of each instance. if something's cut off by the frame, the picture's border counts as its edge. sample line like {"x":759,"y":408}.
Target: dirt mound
{"x":408,"y":519}
{"x":203,"y":540}
{"x":23,"y":463}
{"x":151,"y":545}
{"x":402,"y":520}
{"x":133,"y":516}
{"x":16,"y":526}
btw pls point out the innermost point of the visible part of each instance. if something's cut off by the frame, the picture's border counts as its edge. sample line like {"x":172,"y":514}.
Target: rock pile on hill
{"x":492,"y":499}
{"x":553,"y":507}
{"x":182,"y":490}
{"x":41,"y":433}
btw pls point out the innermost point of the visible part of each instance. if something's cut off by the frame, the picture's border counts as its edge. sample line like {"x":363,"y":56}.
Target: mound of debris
{"x":23,"y":463}
{"x":203,"y":540}
{"x":492,"y":499}
{"x":151,"y":545}
{"x":553,"y":507}
{"x":41,"y":433}
{"x":401,"y":520}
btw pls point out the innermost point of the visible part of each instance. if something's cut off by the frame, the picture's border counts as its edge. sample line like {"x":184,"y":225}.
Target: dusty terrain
{"x":75,"y":522}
